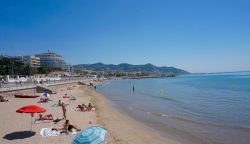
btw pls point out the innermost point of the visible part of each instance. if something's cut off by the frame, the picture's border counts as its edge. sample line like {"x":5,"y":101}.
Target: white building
{"x":51,"y":60}
{"x":30,"y":60}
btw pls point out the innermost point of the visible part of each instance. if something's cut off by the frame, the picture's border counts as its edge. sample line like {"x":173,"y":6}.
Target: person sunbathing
{"x":2,"y":99}
{"x":90,"y":107}
{"x":66,"y":96}
{"x":44,"y":100}
{"x":85,"y":108}
{"x":67,"y":127}
{"x":46,"y":117}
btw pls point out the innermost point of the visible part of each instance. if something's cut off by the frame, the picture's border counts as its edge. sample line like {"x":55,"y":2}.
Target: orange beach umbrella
{"x":31,"y":109}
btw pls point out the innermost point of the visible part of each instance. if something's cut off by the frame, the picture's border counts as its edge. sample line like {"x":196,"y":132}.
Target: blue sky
{"x":195,"y":35}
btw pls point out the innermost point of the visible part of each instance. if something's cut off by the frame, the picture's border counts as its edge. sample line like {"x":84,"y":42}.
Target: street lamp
{"x":12,"y":69}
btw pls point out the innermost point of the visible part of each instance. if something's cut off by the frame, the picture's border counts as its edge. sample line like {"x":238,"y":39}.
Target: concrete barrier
{"x":44,"y":89}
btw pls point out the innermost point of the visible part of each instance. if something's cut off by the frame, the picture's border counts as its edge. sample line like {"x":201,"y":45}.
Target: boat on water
{"x":25,"y":96}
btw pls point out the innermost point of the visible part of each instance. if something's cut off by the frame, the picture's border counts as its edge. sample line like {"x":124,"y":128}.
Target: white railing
{"x":28,"y":85}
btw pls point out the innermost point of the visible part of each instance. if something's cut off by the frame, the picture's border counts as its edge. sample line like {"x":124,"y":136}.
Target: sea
{"x":195,"y":108}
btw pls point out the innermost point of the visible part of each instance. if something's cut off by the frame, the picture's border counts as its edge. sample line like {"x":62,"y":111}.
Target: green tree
{"x":42,"y":70}
{"x":10,"y":66}
{"x":27,"y":70}
{"x":2,"y":70}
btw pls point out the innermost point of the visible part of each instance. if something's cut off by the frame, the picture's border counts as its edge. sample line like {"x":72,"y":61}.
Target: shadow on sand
{"x":19,"y":135}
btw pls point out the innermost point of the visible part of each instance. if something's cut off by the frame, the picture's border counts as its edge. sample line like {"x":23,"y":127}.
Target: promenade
{"x":28,"y":85}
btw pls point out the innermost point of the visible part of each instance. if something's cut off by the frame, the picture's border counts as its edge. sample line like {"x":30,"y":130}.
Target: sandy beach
{"x":121,"y":129}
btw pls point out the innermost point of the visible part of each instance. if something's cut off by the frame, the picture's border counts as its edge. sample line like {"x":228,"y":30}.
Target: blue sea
{"x":194,"y":108}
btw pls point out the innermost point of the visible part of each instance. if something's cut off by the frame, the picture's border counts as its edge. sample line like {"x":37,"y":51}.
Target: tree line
{"x":12,"y":66}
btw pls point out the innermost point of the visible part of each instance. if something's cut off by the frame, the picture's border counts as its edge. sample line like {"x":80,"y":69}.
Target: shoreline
{"x":121,"y":128}
{"x":133,"y":131}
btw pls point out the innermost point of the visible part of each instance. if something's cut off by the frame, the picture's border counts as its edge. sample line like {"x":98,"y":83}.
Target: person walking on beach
{"x":64,"y":110}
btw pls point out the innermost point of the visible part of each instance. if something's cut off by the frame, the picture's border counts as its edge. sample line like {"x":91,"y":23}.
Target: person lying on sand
{"x":85,"y":108}
{"x":44,"y":100}
{"x":90,"y":106}
{"x":67,"y":127}
{"x":66,"y":96}
{"x":2,"y":99}
{"x":46,"y":117}
{"x":82,"y":107}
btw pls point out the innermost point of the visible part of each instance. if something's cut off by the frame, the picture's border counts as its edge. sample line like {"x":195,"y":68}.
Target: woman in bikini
{"x":46,"y":117}
{"x":67,"y":127}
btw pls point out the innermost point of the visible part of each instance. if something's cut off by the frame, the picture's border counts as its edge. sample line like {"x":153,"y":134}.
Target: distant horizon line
{"x":221,"y":72}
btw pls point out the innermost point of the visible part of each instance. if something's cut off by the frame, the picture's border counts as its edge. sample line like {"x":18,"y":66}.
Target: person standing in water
{"x":133,"y":88}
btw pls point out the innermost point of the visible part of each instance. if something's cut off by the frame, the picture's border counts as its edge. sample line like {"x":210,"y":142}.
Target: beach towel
{"x":37,"y":121}
{"x":72,"y":98}
{"x":56,"y":105}
{"x":46,"y":132}
{"x":43,"y":101}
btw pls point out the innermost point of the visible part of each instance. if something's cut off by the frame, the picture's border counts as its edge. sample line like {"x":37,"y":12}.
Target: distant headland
{"x":130,"y":70}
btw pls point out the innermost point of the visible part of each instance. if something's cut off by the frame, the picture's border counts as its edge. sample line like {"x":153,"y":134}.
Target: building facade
{"x":51,"y":60}
{"x":33,"y":61}
{"x":69,"y":68}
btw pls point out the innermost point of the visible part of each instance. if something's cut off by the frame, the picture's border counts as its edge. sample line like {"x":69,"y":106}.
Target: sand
{"x":121,"y":129}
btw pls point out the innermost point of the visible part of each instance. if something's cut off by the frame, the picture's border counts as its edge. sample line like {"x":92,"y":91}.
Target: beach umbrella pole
{"x":32,"y":114}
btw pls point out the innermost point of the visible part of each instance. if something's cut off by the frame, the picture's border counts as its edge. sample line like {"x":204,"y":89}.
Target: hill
{"x":124,"y":67}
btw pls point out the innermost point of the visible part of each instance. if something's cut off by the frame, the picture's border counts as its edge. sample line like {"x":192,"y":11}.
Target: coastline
{"x":121,"y":128}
